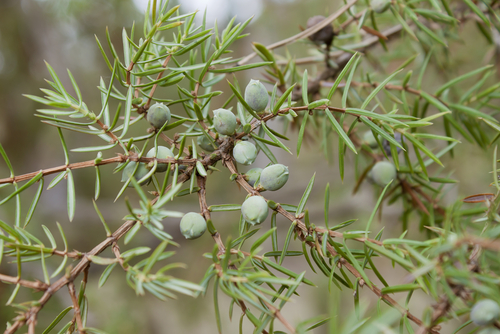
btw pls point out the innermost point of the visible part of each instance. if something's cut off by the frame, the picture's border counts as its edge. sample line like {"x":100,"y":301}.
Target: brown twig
{"x":76,"y":308}
{"x":30,"y":316}
{"x":91,"y":163}
{"x":158,"y":77}
{"x":306,"y":33}
{"x":116,"y":250}
{"x":37,"y":285}
{"x":302,"y":231}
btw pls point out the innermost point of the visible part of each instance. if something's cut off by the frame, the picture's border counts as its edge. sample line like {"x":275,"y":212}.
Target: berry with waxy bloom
{"x":274,"y":177}
{"x":141,"y":171}
{"x":162,"y":153}
{"x":205,"y":143}
{"x":256,"y":95}
{"x":158,"y":115}
{"x":485,"y":312}
{"x":193,"y":225}
{"x":369,"y":139}
{"x":253,"y":175}
{"x":245,"y":152}
{"x":383,"y":172}
{"x":254,"y":210}
{"x":224,"y":121}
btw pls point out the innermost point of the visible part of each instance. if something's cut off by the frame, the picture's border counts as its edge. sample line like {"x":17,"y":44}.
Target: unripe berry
{"x":387,"y":146}
{"x":369,"y":139}
{"x":253,"y":175}
{"x":383,"y":172}
{"x":224,"y":121}
{"x":274,"y":177}
{"x":380,"y":6}
{"x":162,"y":153}
{"x":193,"y":225}
{"x":256,"y":95}
{"x":254,"y":210}
{"x":158,"y":115}
{"x":485,"y":312}
{"x":489,"y":330}
{"x":141,"y":171}
{"x":245,"y":152}
{"x":205,"y":143}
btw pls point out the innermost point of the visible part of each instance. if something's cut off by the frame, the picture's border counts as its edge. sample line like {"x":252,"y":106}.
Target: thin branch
{"x":160,"y":75}
{"x":36,"y":285}
{"x":30,"y":316}
{"x":306,"y":33}
{"x":116,"y":250}
{"x":76,"y":308}
{"x":302,"y":232}
{"x":92,"y":163}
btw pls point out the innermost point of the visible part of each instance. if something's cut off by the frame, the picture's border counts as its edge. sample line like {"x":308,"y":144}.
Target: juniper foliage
{"x":370,"y":116}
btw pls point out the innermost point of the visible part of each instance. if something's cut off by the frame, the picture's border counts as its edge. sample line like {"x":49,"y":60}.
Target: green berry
{"x":205,"y":143}
{"x":158,"y":115}
{"x":254,"y":210}
{"x":193,"y":225}
{"x":489,"y":330}
{"x":253,"y":175}
{"x":141,"y":171}
{"x":369,"y":139}
{"x":245,"y":152}
{"x":224,"y":121}
{"x":485,"y":312}
{"x":162,"y":153}
{"x":383,"y":172}
{"x":274,"y":177}
{"x":256,"y":95}
{"x":380,"y":6}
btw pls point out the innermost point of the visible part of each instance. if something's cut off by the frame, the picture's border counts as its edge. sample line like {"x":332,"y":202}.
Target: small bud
{"x":247,"y":128}
{"x":141,"y":171}
{"x":256,"y":95}
{"x":245,"y":152}
{"x":325,"y":35}
{"x":485,"y":312}
{"x":380,"y":6}
{"x":205,"y":143}
{"x":274,"y":177}
{"x":224,"y":121}
{"x":162,"y":153}
{"x":253,"y":175}
{"x":137,"y":100}
{"x":383,"y":172}
{"x":158,"y":115}
{"x":272,"y":204}
{"x":254,"y":210}
{"x":193,"y":225}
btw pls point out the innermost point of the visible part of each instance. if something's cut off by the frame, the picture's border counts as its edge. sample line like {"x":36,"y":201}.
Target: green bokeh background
{"x":61,"y":32}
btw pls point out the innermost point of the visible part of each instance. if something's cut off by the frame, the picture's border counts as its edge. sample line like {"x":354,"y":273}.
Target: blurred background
{"x":61,"y":32}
